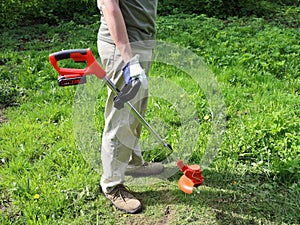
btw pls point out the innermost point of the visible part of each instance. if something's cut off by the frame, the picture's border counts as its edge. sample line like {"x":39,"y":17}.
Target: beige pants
{"x":120,"y":140}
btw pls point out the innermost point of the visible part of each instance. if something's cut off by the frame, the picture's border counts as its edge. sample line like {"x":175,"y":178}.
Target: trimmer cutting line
{"x":72,"y":76}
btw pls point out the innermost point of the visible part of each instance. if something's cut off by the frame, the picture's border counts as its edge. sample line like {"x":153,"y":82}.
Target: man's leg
{"x":118,"y":138}
{"x":120,"y":141}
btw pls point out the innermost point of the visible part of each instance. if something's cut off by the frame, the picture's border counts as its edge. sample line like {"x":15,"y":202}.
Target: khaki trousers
{"x":120,"y":140}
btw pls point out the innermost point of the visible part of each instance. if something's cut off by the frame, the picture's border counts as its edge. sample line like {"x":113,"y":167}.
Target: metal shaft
{"x":137,"y":115}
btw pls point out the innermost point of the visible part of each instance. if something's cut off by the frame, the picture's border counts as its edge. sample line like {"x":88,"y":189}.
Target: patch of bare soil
{"x":7,"y":209}
{"x":2,"y":117}
{"x":136,"y":219}
{"x":168,"y":215}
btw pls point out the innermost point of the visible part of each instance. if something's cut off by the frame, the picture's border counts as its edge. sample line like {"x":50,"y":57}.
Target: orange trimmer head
{"x":192,"y":177}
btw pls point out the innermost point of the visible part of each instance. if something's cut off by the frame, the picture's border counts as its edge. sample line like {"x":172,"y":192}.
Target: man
{"x":125,"y":44}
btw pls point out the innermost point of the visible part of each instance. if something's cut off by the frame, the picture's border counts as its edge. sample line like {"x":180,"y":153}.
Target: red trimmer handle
{"x":78,"y":55}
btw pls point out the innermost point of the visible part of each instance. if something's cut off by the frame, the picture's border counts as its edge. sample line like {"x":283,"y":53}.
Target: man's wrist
{"x":125,"y":51}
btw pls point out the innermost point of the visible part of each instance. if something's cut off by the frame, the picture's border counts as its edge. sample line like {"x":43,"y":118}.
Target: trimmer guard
{"x":185,"y":184}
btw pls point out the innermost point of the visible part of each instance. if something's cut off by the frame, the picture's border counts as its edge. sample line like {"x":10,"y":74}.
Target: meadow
{"x":254,"y":178}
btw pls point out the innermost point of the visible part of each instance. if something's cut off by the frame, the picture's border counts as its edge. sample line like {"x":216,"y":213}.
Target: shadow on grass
{"x":231,"y":199}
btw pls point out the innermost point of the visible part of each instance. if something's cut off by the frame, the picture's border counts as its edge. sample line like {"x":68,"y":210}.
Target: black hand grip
{"x":67,"y":54}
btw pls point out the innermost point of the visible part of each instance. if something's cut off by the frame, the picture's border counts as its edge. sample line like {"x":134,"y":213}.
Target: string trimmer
{"x":72,"y":76}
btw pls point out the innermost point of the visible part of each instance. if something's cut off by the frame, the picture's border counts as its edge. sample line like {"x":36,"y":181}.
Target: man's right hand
{"x":134,"y":77}
{"x":133,"y":70}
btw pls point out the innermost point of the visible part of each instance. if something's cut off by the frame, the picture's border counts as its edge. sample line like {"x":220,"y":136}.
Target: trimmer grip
{"x":78,"y":55}
{"x":74,"y":54}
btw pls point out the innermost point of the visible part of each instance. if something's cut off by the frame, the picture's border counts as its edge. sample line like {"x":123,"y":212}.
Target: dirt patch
{"x":168,"y":215}
{"x":2,"y":117}
{"x":7,"y":209}
{"x":5,"y":204}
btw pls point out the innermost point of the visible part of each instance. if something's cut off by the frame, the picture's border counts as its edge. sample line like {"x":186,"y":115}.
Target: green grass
{"x":254,"y":179}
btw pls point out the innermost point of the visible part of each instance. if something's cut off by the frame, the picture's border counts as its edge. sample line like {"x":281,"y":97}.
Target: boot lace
{"x":120,"y":191}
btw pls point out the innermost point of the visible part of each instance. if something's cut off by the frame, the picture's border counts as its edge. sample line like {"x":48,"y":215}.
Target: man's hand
{"x":134,"y":77}
{"x":133,"y":70}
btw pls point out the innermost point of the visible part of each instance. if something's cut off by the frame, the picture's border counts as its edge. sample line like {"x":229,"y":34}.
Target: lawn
{"x":47,"y":174}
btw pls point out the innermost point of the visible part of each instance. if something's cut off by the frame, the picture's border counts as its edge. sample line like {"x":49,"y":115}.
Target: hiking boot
{"x":123,"y":199}
{"x":147,"y":169}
